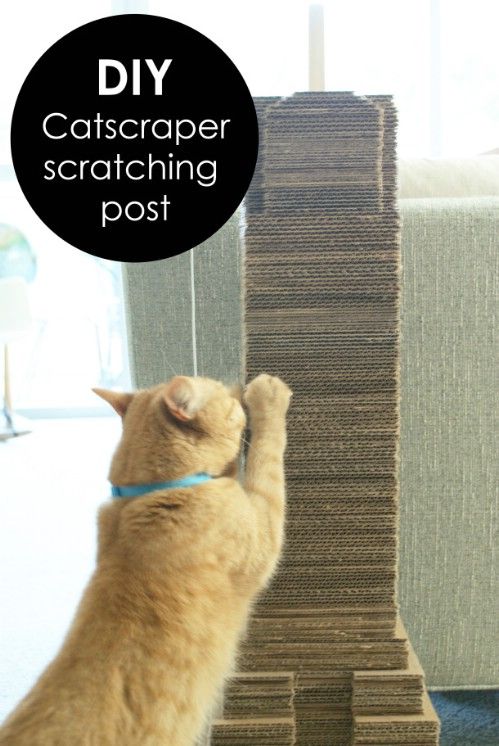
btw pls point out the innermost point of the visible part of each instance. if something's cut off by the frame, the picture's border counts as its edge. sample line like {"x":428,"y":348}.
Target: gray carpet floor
{"x":469,"y":718}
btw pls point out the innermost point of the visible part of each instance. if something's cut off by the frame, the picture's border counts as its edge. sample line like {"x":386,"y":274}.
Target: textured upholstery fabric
{"x":449,"y":442}
{"x":184,"y":314}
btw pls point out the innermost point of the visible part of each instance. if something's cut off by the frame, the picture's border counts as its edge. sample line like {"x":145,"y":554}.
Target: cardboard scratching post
{"x":327,"y":660}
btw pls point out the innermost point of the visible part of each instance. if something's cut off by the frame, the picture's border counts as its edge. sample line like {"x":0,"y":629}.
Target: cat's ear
{"x":119,"y":400}
{"x":182,"y":397}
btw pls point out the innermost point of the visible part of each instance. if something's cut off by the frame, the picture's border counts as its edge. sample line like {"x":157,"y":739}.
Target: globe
{"x":17,"y":258}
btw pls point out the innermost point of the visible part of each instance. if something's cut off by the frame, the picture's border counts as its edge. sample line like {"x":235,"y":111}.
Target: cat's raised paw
{"x":267,"y":394}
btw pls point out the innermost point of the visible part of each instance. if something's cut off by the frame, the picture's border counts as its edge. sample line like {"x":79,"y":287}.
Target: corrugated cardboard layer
{"x":423,"y":728}
{"x":270,"y":695}
{"x":389,"y":692}
{"x":261,"y":731}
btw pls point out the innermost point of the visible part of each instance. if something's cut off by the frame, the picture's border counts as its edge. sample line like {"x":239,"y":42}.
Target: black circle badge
{"x":134,"y":138}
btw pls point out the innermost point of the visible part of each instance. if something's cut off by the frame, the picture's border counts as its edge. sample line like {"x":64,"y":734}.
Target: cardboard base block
{"x":389,"y":692}
{"x":326,"y":655}
{"x":344,"y":707}
{"x":384,"y":730}
{"x":326,"y":691}
{"x":327,"y":625}
{"x":262,"y":694}
{"x":261,"y":731}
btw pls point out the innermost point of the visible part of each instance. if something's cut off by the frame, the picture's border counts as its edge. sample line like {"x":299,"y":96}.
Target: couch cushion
{"x":449,"y":177}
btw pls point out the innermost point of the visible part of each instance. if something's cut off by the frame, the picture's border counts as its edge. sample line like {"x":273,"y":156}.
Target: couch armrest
{"x":449,"y":436}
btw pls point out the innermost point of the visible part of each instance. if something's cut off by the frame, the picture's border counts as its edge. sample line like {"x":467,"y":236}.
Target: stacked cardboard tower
{"x":327,"y":660}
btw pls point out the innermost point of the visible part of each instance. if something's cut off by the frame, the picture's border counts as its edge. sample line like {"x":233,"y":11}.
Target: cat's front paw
{"x":267,"y":395}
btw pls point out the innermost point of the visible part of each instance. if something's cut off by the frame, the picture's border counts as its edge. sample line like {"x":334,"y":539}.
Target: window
{"x":77,"y":338}
{"x":437,"y":57}
{"x":78,"y":333}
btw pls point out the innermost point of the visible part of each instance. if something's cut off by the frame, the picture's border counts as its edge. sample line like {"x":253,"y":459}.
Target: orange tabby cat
{"x":158,"y":626}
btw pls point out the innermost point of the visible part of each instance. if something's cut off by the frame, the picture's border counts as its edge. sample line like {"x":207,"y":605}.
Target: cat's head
{"x":185,"y":426}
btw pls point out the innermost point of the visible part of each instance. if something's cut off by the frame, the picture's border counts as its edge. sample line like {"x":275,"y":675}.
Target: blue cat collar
{"x":135,"y":490}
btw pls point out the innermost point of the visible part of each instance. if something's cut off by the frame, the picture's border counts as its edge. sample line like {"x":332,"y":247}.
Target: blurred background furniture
{"x":15,"y":318}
